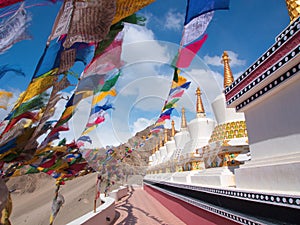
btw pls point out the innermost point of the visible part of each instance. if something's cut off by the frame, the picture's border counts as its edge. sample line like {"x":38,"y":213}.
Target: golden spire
{"x":183,"y":119}
{"x":228,"y":78}
{"x":199,"y":106}
{"x":160,"y":142}
{"x":154,"y":150}
{"x":173,"y":129}
{"x":293,"y":7}
{"x":166,"y":136}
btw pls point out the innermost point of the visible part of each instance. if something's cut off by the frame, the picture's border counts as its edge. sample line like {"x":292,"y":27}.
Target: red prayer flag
{"x":187,"y":54}
{"x":4,"y":3}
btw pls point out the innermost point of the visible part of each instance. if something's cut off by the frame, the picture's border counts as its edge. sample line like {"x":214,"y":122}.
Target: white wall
{"x":274,"y":124}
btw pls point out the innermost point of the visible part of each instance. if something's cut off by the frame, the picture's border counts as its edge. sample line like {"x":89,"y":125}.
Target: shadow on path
{"x":126,"y":208}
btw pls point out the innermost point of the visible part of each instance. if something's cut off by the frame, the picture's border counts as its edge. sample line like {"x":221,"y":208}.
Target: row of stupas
{"x":205,"y":151}
{"x":219,"y":180}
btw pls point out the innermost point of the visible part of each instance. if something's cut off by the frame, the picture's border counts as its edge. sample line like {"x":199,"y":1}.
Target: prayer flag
{"x":33,"y":104}
{"x":171,"y":104}
{"x":196,"y":27}
{"x":126,"y":8}
{"x":110,"y":83}
{"x":196,"y":8}
{"x":87,"y":21}
{"x":180,"y":81}
{"x":58,"y":201}
{"x":102,"y":95}
{"x":85,"y":139}
{"x":187,"y":54}
{"x":157,"y":129}
{"x":56,"y":57}
{"x":13,"y":29}
{"x":104,"y":107}
{"x":95,"y":121}
{"x":89,"y":129}
{"x":177,"y":94}
{"x":165,"y":117}
{"x":167,"y":112}
{"x":36,"y":87}
{"x":4,"y":3}
{"x":108,"y":60}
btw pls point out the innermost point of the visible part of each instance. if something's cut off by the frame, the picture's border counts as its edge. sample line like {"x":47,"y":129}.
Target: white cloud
{"x":140,"y":124}
{"x":173,"y":20}
{"x":140,"y":45}
{"x":216,"y":60}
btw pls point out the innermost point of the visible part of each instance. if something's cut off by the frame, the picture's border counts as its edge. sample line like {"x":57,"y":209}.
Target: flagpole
{"x":55,"y":197}
{"x":98,"y":183}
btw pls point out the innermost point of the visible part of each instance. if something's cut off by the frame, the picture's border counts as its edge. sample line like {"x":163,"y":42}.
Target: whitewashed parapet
{"x":119,"y":193}
{"x":104,"y":214}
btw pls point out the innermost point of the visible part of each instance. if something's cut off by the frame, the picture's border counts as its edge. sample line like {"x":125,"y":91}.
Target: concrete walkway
{"x":141,"y":208}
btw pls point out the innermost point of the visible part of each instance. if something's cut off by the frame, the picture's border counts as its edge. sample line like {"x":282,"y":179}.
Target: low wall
{"x":104,"y":214}
{"x":119,"y":193}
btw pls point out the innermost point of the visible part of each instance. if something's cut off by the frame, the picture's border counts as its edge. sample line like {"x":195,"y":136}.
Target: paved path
{"x":142,"y":209}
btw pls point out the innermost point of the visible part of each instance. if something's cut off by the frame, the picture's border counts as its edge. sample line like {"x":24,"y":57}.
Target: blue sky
{"x":246,"y":30}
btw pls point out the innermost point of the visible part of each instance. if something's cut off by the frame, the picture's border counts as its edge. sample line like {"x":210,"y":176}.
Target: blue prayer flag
{"x":196,"y":8}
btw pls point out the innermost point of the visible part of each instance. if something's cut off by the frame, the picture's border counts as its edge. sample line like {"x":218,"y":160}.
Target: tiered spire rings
{"x":183,"y":119}
{"x":228,"y":78}
{"x":293,"y":7}
{"x":199,"y":107}
{"x":173,"y":129}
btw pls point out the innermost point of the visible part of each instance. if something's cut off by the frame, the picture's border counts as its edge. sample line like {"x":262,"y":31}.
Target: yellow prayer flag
{"x":128,"y":7}
{"x":102,"y":95}
{"x":181,"y":81}
{"x":68,"y":111}
{"x":37,"y":86}
{"x":88,"y":130}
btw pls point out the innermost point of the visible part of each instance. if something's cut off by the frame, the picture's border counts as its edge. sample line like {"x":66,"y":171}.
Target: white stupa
{"x":163,"y":148}
{"x":171,"y":148}
{"x":222,"y":113}
{"x":200,"y":129}
{"x":182,"y":137}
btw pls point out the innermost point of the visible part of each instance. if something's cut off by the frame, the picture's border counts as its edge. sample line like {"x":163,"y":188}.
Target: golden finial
{"x":199,"y":106}
{"x":166,"y":136}
{"x":183,"y":119}
{"x":228,"y":78}
{"x":293,"y":7}
{"x":173,"y":129}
